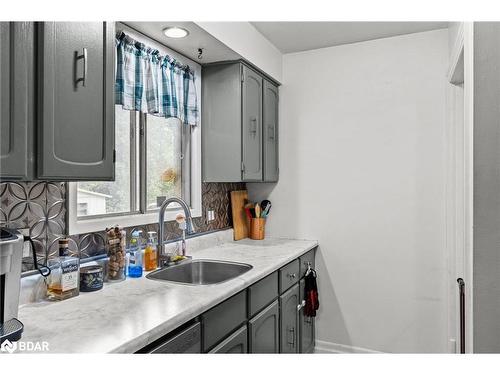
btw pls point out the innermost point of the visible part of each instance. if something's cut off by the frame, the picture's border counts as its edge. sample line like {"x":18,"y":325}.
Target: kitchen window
{"x":156,"y":158}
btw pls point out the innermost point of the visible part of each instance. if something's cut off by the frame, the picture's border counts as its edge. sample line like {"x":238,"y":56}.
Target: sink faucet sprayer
{"x":190,"y":228}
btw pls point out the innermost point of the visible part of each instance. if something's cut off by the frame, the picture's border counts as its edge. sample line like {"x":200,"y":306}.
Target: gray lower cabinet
{"x":237,"y":343}
{"x":289,"y":322}
{"x":263,"y":330}
{"x":306,"y":325}
{"x":270,"y":132}
{"x":76,"y":100}
{"x":16,"y":100}
{"x":267,"y":317}
{"x":240,"y":119}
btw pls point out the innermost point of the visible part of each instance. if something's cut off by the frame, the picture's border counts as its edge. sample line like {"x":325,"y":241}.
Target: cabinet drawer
{"x":187,"y":341}
{"x":305,"y":259}
{"x":289,"y":275}
{"x":237,"y":343}
{"x":262,"y":293}
{"x":222,"y":319}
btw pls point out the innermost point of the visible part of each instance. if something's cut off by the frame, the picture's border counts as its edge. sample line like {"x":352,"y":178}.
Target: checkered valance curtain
{"x":154,"y":84}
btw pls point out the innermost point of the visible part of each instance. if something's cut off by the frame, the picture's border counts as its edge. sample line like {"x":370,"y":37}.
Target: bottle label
{"x":69,"y":277}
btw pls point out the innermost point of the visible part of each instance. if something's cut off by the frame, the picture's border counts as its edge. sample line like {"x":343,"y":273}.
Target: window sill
{"x":100,"y":224}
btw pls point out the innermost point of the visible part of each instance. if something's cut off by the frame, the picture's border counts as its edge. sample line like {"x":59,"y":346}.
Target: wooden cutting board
{"x":238,"y":200}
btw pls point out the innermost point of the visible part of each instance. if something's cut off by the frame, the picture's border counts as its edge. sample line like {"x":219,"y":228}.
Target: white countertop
{"x":124,"y":317}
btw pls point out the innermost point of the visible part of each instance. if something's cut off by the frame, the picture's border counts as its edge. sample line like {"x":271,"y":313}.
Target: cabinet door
{"x":289,"y":321}
{"x":16,"y":100}
{"x":76,"y":117}
{"x":237,"y":343}
{"x":263,"y":330}
{"x":252,"y":125}
{"x":221,"y":115}
{"x":306,"y":340}
{"x":270,"y":132}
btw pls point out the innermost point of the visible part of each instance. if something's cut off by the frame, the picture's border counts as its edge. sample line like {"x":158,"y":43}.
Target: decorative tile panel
{"x":41,"y":207}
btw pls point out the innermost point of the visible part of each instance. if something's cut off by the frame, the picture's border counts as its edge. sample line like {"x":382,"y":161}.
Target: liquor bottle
{"x":64,"y":276}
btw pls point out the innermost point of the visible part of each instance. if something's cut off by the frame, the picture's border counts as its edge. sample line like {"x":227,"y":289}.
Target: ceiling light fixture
{"x":175,"y":32}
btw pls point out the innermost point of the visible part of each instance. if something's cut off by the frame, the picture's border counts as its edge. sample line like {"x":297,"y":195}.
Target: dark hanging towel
{"x":311,"y":293}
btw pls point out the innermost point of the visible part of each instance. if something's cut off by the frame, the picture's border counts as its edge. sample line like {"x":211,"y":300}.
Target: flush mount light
{"x":175,"y":32}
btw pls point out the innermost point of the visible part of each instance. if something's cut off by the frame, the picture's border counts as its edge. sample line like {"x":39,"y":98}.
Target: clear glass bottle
{"x":135,"y":248}
{"x":63,"y":281}
{"x":150,"y":253}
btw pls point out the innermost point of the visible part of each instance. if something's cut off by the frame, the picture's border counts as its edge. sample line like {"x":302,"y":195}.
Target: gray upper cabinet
{"x":252,"y":125}
{"x":221,"y":127}
{"x":270,"y":132}
{"x":289,"y":303}
{"x":59,"y":76}
{"x":233,"y":115}
{"x":263,"y":330}
{"x":75,"y":99}
{"x":16,"y":100}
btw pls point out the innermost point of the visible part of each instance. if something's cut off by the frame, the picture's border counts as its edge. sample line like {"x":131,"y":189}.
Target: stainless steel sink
{"x":200,"y":272}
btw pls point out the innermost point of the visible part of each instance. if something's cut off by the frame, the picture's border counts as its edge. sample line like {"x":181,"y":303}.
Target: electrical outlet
{"x":210,"y":215}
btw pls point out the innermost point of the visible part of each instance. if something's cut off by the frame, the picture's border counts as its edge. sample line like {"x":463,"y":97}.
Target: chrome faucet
{"x":190,"y":228}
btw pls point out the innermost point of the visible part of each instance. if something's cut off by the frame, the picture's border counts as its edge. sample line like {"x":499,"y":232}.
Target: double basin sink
{"x":200,"y":272}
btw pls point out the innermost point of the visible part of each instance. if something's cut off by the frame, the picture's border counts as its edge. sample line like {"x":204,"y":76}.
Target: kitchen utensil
{"x":240,"y":227}
{"x":257,"y":210}
{"x":249,"y":214}
{"x":264,"y":204}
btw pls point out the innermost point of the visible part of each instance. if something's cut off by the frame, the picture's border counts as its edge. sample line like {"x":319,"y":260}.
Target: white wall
{"x":362,"y":152}
{"x":486,"y":259}
{"x":245,"y":40}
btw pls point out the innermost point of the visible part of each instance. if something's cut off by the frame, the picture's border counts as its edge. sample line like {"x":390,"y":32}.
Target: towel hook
{"x":309,"y":268}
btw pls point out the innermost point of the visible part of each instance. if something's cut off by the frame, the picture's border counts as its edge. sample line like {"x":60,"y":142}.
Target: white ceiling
{"x":302,"y":36}
{"x":213,"y":49}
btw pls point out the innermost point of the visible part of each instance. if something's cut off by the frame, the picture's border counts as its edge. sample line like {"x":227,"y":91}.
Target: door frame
{"x":459,"y":186}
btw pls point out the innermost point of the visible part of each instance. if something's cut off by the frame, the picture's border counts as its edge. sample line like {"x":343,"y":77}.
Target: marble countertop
{"x":124,"y":317}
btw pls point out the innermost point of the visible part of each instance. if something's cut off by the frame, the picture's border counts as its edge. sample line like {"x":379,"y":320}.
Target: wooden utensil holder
{"x":257,"y":228}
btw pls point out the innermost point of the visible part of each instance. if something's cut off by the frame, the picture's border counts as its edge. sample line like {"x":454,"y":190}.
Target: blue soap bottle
{"x":135,"y":247}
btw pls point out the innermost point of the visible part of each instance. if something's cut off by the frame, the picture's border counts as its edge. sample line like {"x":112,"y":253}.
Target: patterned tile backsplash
{"x":41,"y":207}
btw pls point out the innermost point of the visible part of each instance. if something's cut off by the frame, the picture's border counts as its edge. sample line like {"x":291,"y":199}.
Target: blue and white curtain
{"x":154,"y":84}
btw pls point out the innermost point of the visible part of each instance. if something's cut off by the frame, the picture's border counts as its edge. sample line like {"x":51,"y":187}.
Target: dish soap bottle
{"x":135,"y":247}
{"x":64,"y":275}
{"x":150,"y":261}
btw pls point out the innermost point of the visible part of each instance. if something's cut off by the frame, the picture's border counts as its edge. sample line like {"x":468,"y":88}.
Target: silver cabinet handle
{"x":291,"y":330}
{"x":301,"y":305}
{"x":271,"y":132}
{"x":292,"y":275}
{"x":83,"y":57}
{"x":461,"y":292}
{"x":253,"y":126}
